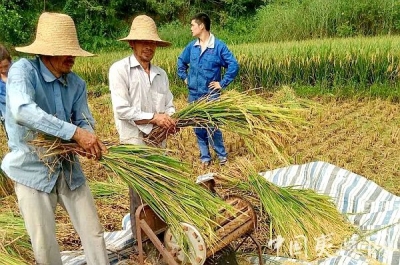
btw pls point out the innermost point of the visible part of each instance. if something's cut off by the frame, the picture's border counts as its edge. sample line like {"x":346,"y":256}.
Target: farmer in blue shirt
{"x":200,"y":65}
{"x":44,"y":96}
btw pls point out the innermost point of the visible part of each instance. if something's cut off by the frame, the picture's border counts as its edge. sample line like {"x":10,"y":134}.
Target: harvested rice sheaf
{"x":303,"y":224}
{"x":162,"y":182}
{"x":247,"y":114}
{"x":14,"y":244}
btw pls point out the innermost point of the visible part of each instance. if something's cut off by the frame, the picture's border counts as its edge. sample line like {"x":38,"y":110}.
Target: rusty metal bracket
{"x":148,"y":225}
{"x":258,"y":245}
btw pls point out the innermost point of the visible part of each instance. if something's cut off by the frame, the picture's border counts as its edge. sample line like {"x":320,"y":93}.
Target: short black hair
{"x":4,"y":54}
{"x":203,"y":18}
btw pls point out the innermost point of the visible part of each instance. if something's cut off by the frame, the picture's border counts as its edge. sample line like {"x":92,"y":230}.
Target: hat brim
{"x":160,"y":43}
{"x":45,"y":49}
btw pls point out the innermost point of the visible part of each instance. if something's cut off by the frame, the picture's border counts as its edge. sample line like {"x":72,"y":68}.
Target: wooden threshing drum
{"x":233,"y":224}
{"x":242,"y":221}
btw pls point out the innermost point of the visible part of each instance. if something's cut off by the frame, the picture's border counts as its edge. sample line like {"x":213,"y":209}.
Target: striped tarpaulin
{"x":373,"y":210}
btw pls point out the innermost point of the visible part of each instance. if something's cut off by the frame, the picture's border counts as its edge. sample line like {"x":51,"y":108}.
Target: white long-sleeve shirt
{"x":136,"y":96}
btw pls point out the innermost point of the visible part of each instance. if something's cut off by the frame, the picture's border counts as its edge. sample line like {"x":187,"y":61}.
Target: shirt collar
{"x":48,"y":76}
{"x":210,"y":44}
{"x":133,"y":62}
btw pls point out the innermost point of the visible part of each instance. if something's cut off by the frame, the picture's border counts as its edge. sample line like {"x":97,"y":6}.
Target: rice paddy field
{"x":353,"y":122}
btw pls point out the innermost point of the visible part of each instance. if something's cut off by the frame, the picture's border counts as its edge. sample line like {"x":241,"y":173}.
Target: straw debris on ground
{"x":358,"y":134}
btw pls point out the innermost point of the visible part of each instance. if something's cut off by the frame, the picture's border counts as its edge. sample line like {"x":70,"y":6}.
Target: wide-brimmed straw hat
{"x":55,"y":36}
{"x":144,"y":28}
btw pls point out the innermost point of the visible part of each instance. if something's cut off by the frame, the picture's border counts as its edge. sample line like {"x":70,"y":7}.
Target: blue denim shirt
{"x":2,"y":98}
{"x":206,"y":67}
{"x":37,"y":101}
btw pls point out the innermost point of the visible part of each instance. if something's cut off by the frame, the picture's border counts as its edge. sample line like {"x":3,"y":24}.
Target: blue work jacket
{"x":202,"y":68}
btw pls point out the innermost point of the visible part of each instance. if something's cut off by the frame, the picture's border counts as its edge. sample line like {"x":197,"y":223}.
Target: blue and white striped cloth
{"x":375,"y":211}
{"x":118,"y":243}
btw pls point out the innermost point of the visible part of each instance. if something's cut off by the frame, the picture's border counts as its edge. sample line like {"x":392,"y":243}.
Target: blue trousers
{"x":213,"y":137}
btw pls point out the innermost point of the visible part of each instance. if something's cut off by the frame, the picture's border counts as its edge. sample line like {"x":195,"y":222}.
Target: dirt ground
{"x":360,"y":135}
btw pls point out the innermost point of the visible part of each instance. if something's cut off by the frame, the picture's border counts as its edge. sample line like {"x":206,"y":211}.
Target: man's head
{"x":200,"y":22}
{"x":55,"y":36}
{"x":58,"y":65}
{"x":5,"y":60}
{"x":144,"y":50}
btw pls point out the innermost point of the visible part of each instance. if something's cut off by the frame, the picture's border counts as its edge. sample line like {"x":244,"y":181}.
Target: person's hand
{"x":90,"y":144}
{"x":163,"y":120}
{"x":186,"y":81}
{"x":214,"y":85}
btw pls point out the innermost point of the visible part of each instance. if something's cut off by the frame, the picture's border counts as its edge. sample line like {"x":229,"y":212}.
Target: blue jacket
{"x":206,"y":67}
{"x":2,"y":98}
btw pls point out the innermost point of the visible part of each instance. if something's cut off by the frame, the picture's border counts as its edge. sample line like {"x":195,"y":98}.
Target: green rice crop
{"x":329,"y":64}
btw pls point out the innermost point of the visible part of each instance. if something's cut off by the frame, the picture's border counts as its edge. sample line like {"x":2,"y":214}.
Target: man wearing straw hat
{"x":140,"y":92}
{"x":45,"y":97}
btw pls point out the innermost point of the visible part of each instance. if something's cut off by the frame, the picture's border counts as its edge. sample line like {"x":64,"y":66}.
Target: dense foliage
{"x":101,"y":22}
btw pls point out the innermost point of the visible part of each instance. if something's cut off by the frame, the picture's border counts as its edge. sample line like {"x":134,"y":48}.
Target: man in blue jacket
{"x":200,"y":65}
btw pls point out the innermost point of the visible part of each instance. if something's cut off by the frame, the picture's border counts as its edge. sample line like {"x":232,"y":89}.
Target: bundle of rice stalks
{"x":6,"y":186}
{"x":107,"y":189}
{"x":14,"y":243}
{"x":11,"y":260}
{"x":163,"y":182}
{"x":303,"y":224}
{"x":247,"y":114}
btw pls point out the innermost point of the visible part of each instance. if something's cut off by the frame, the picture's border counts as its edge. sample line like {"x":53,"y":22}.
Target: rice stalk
{"x":249,"y":115}
{"x":14,"y":242}
{"x":6,"y":186}
{"x":107,"y":189}
{"x":165,"y":185}
{"x":294,"y":214}
{"x":162,"y":182}
{"x":8,"y":259}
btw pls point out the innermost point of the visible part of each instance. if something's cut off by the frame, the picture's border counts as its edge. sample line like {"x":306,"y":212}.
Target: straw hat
{"x":55,"y":36}
{"x":144,"y":28}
